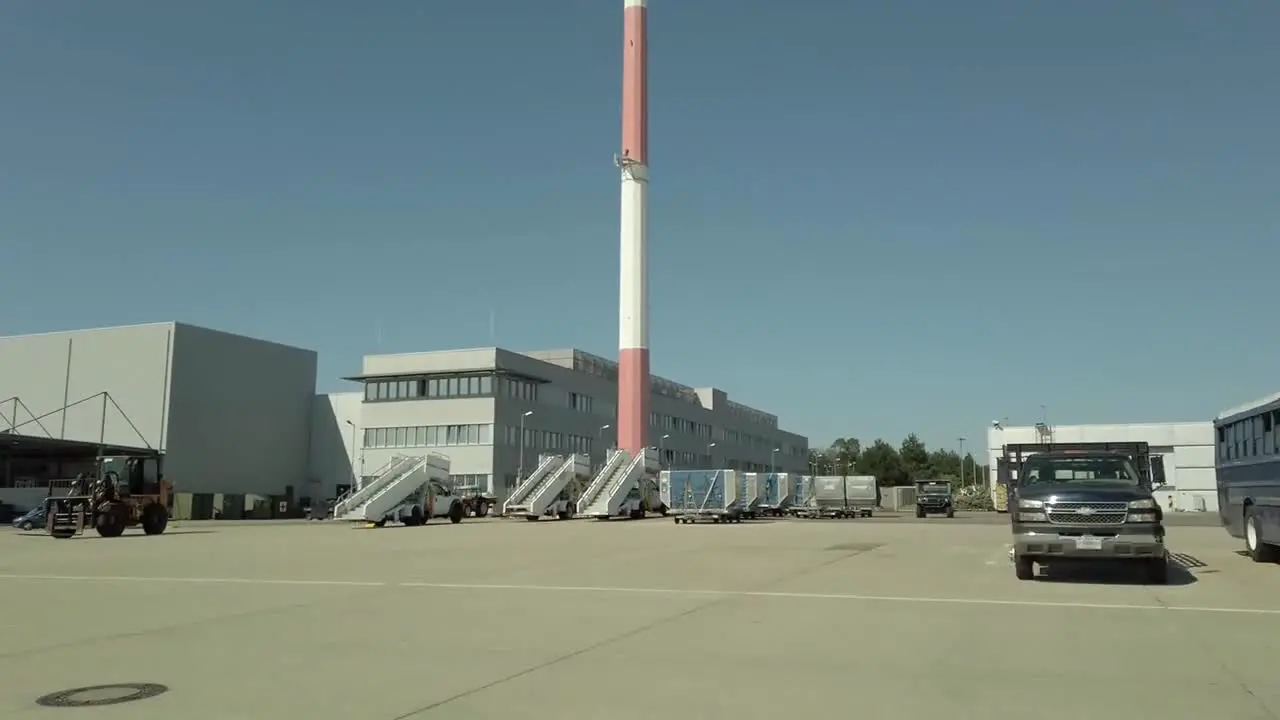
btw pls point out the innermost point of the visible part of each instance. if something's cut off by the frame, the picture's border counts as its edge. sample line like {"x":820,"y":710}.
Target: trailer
{"x":835,"y":497}
{"x":777,"y":493}
{"x":691,"y":496}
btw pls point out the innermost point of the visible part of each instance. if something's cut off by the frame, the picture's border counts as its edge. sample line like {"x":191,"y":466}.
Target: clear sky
{"x":871,"y":218}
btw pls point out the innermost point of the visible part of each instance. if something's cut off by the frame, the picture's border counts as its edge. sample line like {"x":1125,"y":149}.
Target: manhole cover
{"x":855,"y":547}
{"x":98,"y":695}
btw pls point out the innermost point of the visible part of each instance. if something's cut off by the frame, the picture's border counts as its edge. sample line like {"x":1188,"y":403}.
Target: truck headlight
{"x":1147,"y":504}
{"x":1031,"y":504}
{"x":1031,"y":517}
{"x":1149,"y":516}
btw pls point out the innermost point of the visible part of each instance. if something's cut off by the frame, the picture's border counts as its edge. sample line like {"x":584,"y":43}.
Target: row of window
{"x":1251,"y":437}
{"x":429,"y":388}
{"x":548,"y":440}
{"x":489,"y":385}
{"x":428,"y":436}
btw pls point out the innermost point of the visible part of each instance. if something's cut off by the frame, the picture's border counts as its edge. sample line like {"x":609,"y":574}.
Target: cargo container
{"x":776,"y":491}
{"x":836,"y":496}
{"x":716,"y":495}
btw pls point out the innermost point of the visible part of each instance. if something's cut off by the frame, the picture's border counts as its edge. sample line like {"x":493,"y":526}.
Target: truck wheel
{"x":155,"y":518}
{"x":482,"y":509}
{"x":1157,"y":571}
{"x":919,"y":513}
{"x":951,"y":513}
{"x":1024,"y":567}
{"x":455,"y":513}
{"x":416,"y":517}
{"x":109,"y":521}
{"x":1259,"y":551}
{"x":26,"y":525}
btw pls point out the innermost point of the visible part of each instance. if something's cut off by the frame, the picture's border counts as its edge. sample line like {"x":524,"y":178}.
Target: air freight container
{"x":704,"y":492}
{"x":776,"y":491}
{"x":836,"y":496}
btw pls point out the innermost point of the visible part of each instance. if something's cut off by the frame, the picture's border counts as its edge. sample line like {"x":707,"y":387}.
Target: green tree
{"x":883,"y":461}
{"x":944,"y":464}
{"x":915,"y":457}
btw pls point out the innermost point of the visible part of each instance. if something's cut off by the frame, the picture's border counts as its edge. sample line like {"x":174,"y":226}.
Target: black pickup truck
{"x":1084,"y":501}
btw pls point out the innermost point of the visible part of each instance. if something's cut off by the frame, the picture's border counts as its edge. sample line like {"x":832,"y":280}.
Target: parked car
{"x":33,"y":519}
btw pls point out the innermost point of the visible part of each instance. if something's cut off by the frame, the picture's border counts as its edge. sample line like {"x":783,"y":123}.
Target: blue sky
{"x":869,"y":218}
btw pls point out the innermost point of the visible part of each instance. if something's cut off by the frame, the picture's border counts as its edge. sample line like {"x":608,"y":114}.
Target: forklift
{"x":121,"y":491}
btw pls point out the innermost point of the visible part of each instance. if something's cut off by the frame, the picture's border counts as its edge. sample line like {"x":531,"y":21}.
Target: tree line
{"x":901,"y":465}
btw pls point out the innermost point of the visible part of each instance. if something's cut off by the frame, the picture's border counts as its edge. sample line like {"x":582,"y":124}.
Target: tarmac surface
{"x":625,"y":620}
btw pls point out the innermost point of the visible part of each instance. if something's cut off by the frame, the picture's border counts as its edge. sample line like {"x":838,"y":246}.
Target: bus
{"x":1247,"y":470}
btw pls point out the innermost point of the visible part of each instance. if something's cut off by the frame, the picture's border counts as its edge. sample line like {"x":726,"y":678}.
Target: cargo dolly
{"x":829,"y":513}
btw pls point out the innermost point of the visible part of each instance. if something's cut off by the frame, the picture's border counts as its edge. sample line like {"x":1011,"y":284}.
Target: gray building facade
{"x":484,"y":407}
{"x":232,"y":414}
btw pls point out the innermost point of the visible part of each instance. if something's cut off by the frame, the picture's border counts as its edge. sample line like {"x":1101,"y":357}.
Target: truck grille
{"x":1085,"y":513}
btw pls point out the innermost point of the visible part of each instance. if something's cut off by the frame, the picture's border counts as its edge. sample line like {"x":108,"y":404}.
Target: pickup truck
{"x":1086,"y":504}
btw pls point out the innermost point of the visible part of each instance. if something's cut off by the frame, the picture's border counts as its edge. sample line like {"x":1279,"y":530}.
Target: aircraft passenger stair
{"x":539,"y":495}
{"x":619,"y":476}
{"x":394,"y":485}
{"x":547,"y":464}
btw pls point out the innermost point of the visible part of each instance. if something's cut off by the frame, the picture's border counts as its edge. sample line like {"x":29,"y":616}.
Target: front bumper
{"x":1080,"y":544}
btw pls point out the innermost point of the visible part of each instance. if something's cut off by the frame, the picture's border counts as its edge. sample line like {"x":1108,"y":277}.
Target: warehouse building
{"x":492,"y":411}
{"x":1182,"y":454}
{"x":231,"y":414}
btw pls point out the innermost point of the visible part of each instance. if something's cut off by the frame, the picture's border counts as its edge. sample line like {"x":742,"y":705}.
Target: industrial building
{"x":493,"y":411}
{"x":231,"y":414}
{"x":1182,"y":454}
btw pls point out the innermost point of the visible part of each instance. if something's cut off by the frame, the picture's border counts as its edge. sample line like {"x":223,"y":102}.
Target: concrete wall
{"x":239,"y":413}
{"x":52,"y":370}
{"x":1187,"y":450}
{"x":334,"y":445}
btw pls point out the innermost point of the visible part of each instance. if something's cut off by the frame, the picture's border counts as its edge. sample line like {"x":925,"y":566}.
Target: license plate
{"x":1088,"y":542}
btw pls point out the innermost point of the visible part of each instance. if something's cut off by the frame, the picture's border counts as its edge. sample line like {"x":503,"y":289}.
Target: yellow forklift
{"x":121,"y":491}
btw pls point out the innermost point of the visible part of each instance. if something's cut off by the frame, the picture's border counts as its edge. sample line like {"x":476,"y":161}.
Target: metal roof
{"x":16,"y":444}
{"x":1245,"y":408}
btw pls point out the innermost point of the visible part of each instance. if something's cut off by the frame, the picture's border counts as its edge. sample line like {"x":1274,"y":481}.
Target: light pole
{"x":711,"y":459}
{"x":600,"y":434}
{"x":662,"y":450}
{"x":520,"y":467}
{"x":773,"y":466}
{"x":961,"y":441}
{"x":355,"y":479}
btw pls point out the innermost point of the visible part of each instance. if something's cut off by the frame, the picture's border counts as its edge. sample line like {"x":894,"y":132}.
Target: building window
{"x":416,"y":388}
{"x":428,"y":436}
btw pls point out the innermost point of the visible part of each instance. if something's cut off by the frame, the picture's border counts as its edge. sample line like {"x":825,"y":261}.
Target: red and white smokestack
{"x":633,"y":304}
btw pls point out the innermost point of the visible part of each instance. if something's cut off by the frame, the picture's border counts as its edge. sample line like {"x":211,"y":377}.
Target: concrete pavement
{"x":582,"y":619}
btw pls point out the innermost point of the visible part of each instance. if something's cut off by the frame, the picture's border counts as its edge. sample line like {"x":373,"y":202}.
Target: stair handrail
{"x":387,"y":488}
{"x":537,"y":492}
{"x":389,"y":472}
{"x":601,"y":480}
{"x":528,"y":483}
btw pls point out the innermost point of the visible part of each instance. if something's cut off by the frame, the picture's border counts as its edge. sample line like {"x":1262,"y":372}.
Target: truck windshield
{"x":934,"y":488}
{"x":1108,"y":470}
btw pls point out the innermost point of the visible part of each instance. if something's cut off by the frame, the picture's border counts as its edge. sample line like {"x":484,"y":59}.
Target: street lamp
{"x":600,"y":434}
{"x":961,"y":441}
{"x":773,"y":467}
{"x":711,"y":460}
{"x":662,"y":450}
{"x":520,"y":467}
{"x":355,"y":479}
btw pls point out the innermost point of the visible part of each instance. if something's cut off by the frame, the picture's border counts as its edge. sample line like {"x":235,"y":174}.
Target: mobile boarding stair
{"x":548,"y":490}
{"x":402,"y":480}
{"x":619,"y":488}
